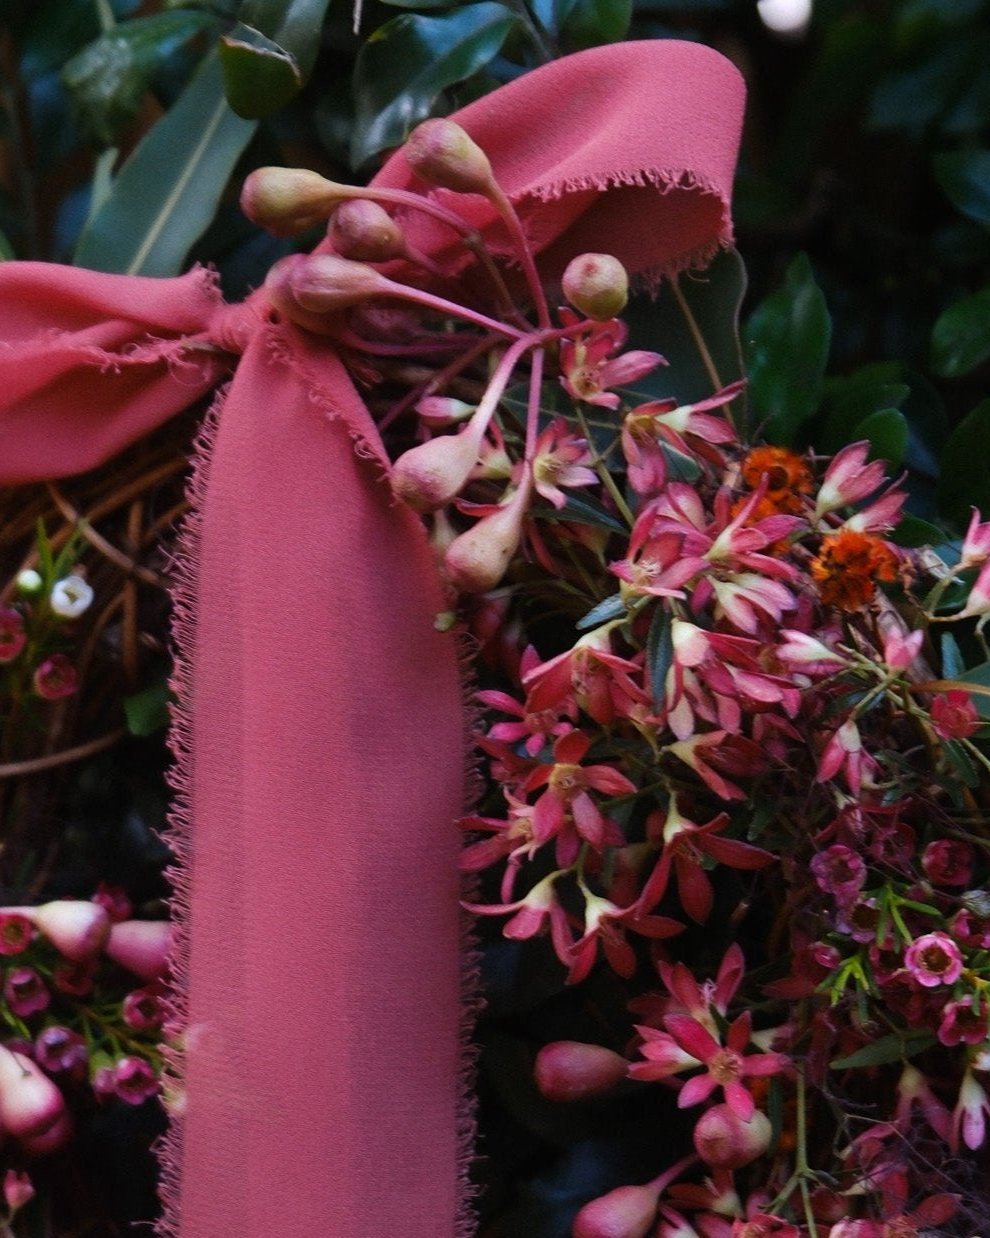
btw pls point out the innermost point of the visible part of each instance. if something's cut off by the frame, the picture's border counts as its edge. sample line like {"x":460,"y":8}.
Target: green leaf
{"x":913,"y":531}
{"x":583,"y":510}
{"x":659,"y":653}
{"x":6,"y":249}
{"x":589,"y":23}
{"x":889,"y":1048}
{"x":980,"y":676}
{"x":961,"y":335}
{"x":965,"y":177}
{"x":886,"y":430}
{"x":109,"y":77}
{"x":270,"y":53}
{"x":613,"y":607}
{"x":952,"y":659}
{"x":964,"y":481}
{"x":147,"y":711}
{"x":406,"y":64}
{"x":166,"y":193}
{"x":787,"y":344}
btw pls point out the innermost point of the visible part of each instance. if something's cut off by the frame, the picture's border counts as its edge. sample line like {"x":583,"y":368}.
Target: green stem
{"x":699,"y":339}
{"x":606,"y":477}
{"x":104,"y":15}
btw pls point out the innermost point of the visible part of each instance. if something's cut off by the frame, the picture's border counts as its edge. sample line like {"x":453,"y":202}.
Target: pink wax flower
{"x":59,"y":1050}
{"x":134,"y":1080}
{"x":848,"y":478}
{"x":77,"y":928}
{"x":561,"y":459}
{"x":934,"y":959}
{"x":142,"y":1010}
{"x":840,"y":871}
{"x":954,"y":716}
{"x":589,"y":366}
{"x":25,"y":992}
{"x":74,"y":978}
{"x":13,"y":638}
{"x":948,"y":862}
{"x":16,"y":932}
{"x":966,"y":1021}
{"x":56,"y":678}
{"x":726,"y":1065}
{"x":976,"y":543}
{"x":17,"y":1190}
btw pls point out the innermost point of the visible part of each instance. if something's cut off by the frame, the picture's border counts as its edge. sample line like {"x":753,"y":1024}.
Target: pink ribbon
{"x":322,"y":731}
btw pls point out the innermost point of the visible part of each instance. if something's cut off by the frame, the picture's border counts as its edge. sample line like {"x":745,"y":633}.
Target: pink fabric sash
{"x":321,"y":732}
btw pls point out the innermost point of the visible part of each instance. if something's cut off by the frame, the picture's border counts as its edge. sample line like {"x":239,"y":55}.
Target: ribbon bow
{"x":321,"y":733}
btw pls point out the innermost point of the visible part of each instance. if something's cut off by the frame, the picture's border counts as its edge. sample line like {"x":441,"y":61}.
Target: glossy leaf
{"x":965,"y":177}
{"x":659,"y":654}
{"x":961,"y":336}
{"x":613,"y":607}
{"x":407,"y":63}
{"x":270,"y":53}
{"x":167,"y":192}
{"x":109,"y":77}
{"x":6,"y":249}
{"x":964,"y":481}
{"x":886,"y":430}
{"x":148,"y":711}
{"x":889,"y":1048}
{"x":589,"y":23}
{"x":787,"y":344}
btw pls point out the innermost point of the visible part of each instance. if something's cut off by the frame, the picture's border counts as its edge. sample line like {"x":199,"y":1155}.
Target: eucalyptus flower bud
{"x":364,"y":231}
{"x":477,"y":560}
{"x":32,"y":1108}
{"x":725,"y":1141}
{"x":322,"y":283}
{"x":597,"y":285}
{"x":428,"y":476}
{"x":627,"y":1212}
{"x":567,"y":1070}
{"x":285,"y":201}
{"x":442,"y":153}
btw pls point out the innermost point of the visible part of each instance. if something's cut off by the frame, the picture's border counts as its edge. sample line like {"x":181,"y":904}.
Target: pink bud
{"x":568,"y":1070}
{"x":442,"y":153}
{"x":288,"y":200}
{"x":323,"y":283}
{"x":17,"y":1190}
{"x":597,"y":285}
{"x":50,"y":1140}
{"x":362,"y":230}
{"x":627,"y":1212}
{"x":31,"y":1106}
{"x":142,"y":946}
{"x":76,"y":928}
{"x":477,"y":560}
{"x":722,"y":1139}
{"x":55,"y":678}
{"x":428,"y":476}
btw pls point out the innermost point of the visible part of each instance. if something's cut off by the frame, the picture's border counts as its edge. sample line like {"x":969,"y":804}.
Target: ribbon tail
{"x":321,"y":749}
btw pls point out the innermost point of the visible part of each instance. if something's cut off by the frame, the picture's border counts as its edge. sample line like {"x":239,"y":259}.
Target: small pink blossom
{"x":844,"y":752}
{"x":934,"y":959}
{"x":134,"y":1080}
{"x":978,"y":602}
{"x":848,"y":478}
{"x":590,"y":367}
{"x":726,"y":1065}
{"x":948,"y":862}
{"x":976,"y":543}
{"x":970,"y":1115}
{"x":16,"y":932}
{"x":954,"y":716}
{"x":17,"y":1190}
{"x":59,"y":1050}
{"x":13,"y":638}
{"x":840,"y":871}
{"x":142,"y":1010}
{"x":25,"y":992}
{"x":966,"y":1021}
{"x":56,"y":678}
{"x":74,"y":978}
{"x":114,"y":900}
{"x":561,"y":458}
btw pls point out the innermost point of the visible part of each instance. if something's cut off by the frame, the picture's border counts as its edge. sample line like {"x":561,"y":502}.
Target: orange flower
{"x":848,"y":566}
{"x":788,"y":477}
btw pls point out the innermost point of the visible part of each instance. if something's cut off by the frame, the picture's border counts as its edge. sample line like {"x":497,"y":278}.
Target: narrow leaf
{"x":886,"y":430}
{"x":659,"y":653}
{"x":965,"y":177}
{"x":887,"y":1049}
{"x":167,"y":192}
{"x":612,"y":608}
{"x":961,"y":336}
{"x":964,"y":480}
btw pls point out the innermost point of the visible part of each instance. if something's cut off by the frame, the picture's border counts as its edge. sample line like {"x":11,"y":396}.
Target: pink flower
{"x":561,"y":459}
{"x":976,"y":543}
{"x":588,"y":676}
{"x":532,"y":915}
{"x":13,"y":638}
{"x":142,"y":1010}
{"x":76,"y":928}
{"x":948,"y":862}
{"x":727,"y":1065}
{"x":934,"y":959}
{"x":589,"y":367}
{"x":55,"y":678}
{"x":840,"y":871}
{"x":978,"y":602}
{"x":913,"y":1092}
{"x":16,"y":932}
{"x":25,"y":992}
{"x":17,"y":1190}
{"x":954,"y":716}
{"x":848,"y":478}
{"x":970,"y":1114}
{"x":604,"y":923}
{"x":114,"y":900}
{"x":966,"y":1021}
{"x":844,"y":751}
{"x":59,"y":1050}
{"x":699,"y":1000}
{"x":134,"y":1080}
{"x":73,"y":978}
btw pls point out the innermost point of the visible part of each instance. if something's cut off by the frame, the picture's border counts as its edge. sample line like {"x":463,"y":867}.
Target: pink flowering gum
{"x":321,"y":729}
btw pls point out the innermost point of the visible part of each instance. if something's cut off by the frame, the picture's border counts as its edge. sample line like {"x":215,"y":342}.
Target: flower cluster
{"x":730,"y":739}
